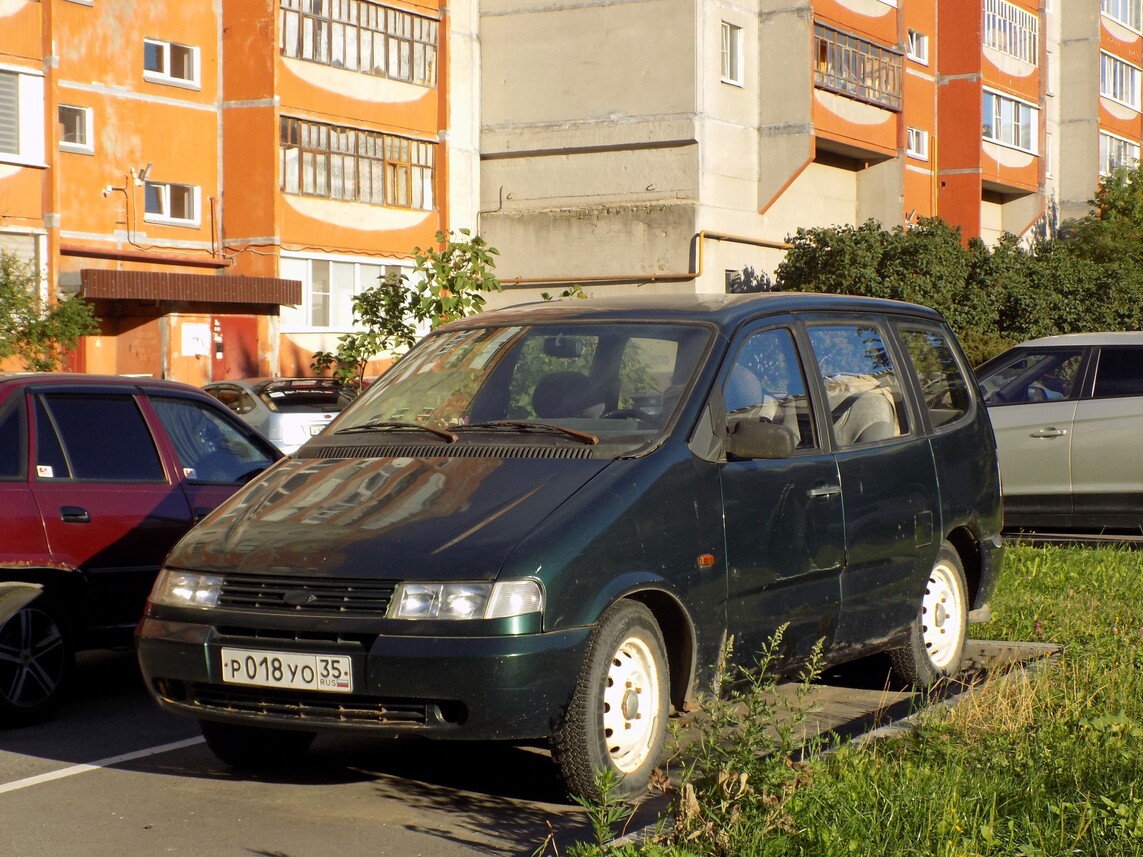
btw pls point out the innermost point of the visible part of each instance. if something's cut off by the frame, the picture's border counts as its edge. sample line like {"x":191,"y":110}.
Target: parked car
{"x":1068,"y":415}
{"x":289,"y":411}
{"x":499,"y":540}
{"x":99,"y":477}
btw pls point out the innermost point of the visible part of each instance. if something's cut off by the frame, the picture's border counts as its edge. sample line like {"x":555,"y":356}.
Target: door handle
{"x":74,"y":515}
{"x":1049,"y":432}
{"x":824,"y":491}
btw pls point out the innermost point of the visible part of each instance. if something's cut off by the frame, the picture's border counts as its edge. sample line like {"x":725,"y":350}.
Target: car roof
{"x":259,"y":384}
{"x":725,"y":310}
{"x":80,"y":379}
{"x":1120,"y":337}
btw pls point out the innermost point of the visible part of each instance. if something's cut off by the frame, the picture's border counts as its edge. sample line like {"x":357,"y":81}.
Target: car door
{"x":109,"y":504}
{"x":783,"y":518}
{"x":888,"y":479}
{"x":22,"y":540}
{"x":1107,"y":442}
{"x":1032,"y":403}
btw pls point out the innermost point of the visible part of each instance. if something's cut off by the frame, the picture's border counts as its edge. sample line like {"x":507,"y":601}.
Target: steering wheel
{"x":628,"y":413}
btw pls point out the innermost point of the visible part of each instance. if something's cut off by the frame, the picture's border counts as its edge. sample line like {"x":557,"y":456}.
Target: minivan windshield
{"x":599,"y":381}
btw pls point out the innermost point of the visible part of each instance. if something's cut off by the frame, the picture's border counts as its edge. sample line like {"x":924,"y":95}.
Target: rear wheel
{"x":617,"y":719}
{"x":254,"y":748}
{"x":37,"y":658}
{"x":937,"y":637}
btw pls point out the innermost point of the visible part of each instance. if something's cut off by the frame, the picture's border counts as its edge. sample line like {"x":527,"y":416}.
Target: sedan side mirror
{"x":753,"y":438}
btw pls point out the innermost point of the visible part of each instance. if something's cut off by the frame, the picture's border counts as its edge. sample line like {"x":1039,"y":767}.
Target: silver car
{"x":1068,"y":416}
{"x":289,"y":411}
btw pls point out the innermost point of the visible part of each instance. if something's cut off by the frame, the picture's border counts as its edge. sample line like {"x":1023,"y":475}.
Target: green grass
{"x":1046,"y":761}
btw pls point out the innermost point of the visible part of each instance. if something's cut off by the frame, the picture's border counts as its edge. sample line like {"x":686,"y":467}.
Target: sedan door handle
{"x":74,"y":515}
{"x":1049,"y":432}
{"x":824,"y":491}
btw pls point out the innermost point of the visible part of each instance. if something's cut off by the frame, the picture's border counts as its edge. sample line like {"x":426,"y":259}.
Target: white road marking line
{"x":94,"y":766}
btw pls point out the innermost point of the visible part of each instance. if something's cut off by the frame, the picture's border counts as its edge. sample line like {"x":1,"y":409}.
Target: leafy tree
{"x":36,"y":333}
{"x":447,"y":284}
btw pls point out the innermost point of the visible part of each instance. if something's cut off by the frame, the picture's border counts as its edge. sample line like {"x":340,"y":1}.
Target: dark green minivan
{"x":546,"y":522}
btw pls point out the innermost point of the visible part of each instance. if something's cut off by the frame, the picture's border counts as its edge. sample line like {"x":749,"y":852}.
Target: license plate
{"x":292,"y":670}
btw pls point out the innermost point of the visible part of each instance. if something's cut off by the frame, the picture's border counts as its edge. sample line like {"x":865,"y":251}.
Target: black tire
{"x":37,"y":661}
{"x":937,"y":637}
{"x":617,"y":718}
{"x":255,"y":748}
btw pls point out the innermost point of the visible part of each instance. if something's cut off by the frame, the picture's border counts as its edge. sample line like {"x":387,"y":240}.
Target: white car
{"x":1068,"y":416}
{"x":288,"y":411}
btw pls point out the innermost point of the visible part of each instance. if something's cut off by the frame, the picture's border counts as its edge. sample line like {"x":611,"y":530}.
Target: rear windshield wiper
{"x":395,"y":425}
{"x":522,"y":425}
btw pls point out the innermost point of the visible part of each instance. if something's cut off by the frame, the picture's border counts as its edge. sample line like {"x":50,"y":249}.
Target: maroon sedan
{"x":99,"y":477}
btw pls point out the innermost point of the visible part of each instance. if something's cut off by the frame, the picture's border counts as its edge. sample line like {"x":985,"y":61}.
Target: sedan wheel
{"x":36,"y":660}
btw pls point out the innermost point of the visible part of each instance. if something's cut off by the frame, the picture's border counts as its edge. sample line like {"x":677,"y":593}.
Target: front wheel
{"x":617,"y":718}
{"x":937,"y":636}
{"x":37,"y":658}
{"x":255,"y":748}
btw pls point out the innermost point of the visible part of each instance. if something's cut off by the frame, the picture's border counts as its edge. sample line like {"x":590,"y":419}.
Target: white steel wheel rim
{"x":942,"y":616}
{"x":631,"y":704}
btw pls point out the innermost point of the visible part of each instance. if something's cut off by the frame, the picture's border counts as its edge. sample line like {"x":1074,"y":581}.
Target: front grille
{"x":306,"y":595}
{"x":319,"y":709}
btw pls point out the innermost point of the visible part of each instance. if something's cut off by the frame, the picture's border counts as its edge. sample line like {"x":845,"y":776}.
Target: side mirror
{"x":753,"y":438}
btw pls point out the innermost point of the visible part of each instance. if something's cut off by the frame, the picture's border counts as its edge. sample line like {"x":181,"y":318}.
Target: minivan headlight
{"x":501,"y":600}
{"x":186,"y":589}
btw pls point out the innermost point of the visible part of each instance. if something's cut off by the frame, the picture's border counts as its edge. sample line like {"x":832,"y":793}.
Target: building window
{"x":918,"y":49}
{"x":361,"y":36}
{"x":1010,"y":122}
{"x":1127,"y":12}
{"x":171,"y":203}
{"x":917,"y":145}
{"x":328,"y":287}
{"x":1119,"y":80}
{"x":851,"y":66}
{"x":170,"y":63}
{"x":731,"y":54}
{"x":356,"y":166}
{"x":1011,"y":30}
{"x":75,"y":129}
{"x":1116,"y":152}
{"x":21,"y":117}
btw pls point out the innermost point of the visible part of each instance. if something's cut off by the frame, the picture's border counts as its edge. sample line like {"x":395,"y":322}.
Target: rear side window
{"x":943,"y":384}
{"x":1120,"y":373}
{"x":12,"y":444}
{"x":94,"y":438}
{"x":861,"y":383}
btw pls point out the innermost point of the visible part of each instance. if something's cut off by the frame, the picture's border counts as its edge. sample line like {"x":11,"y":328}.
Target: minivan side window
{"x":767,"y":382}
{"x":861,"y":383}
{"x":942,"y":382}
{"x":1120,"y":373}
{"x":96,"y":438}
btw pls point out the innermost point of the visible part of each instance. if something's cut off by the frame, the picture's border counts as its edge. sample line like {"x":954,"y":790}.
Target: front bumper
{"x":472,"y":688}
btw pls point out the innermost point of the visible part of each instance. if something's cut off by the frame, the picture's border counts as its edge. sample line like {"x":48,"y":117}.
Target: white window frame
{"x":25,"y":114}
{"x":918,"y":47}
{"x":366,"y":273}
{"x":162,"y":193}
{"x":87,"y":146}
{"x":1106,"y":143}
{"x":917,"y":143}
{"x":1012,"y":30}
{"x":1129,"y":13}
{"x":732,"y":64}
{"x":163,"y":74}
{"x":1119,"y":80}
{"x":1019,"y":109}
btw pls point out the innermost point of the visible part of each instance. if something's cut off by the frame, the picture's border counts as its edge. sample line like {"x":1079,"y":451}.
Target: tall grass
{"x":1033,"y":762}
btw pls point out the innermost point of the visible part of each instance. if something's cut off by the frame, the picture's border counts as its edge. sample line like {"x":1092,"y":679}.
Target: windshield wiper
{"x":522,"y":425}
{"x":387,"y":425}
